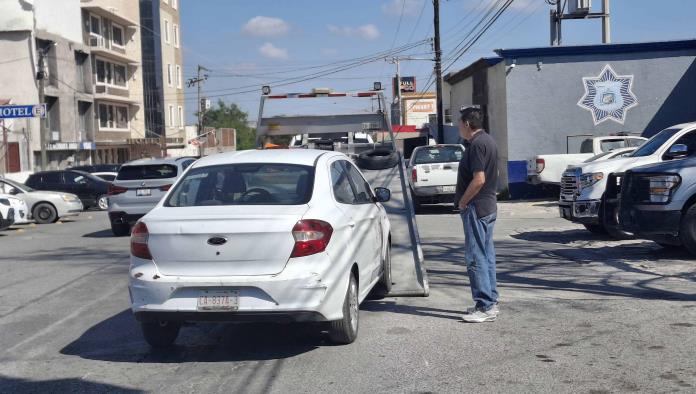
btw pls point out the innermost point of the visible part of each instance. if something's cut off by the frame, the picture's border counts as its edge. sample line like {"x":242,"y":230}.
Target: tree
{"x":231,"y":116}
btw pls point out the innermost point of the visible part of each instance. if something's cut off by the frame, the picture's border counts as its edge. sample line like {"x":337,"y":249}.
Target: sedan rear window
{"x":438,"y":154}
{"x":151,"y":171}
{"x":244,"y":184}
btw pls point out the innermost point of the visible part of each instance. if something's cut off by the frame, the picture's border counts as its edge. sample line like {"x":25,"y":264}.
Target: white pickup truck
{"x":433,"y":171}
{"x":549,"y":168}
{"x":583,"y":188}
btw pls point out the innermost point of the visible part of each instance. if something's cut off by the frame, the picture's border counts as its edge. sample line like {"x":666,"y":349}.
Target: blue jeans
{"x":479,"y":253}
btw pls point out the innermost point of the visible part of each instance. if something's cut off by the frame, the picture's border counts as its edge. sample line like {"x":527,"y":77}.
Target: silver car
{"x":139,"y":186}
{"x":44,"y":206}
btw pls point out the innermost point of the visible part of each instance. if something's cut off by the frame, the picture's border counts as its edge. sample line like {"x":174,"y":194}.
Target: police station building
{"x":535,"y":98}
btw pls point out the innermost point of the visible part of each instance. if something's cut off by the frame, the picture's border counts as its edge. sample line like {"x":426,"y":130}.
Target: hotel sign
{"x":22,"y":111}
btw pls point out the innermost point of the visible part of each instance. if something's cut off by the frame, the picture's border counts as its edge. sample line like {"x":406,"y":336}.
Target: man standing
{"x":476,"y":198}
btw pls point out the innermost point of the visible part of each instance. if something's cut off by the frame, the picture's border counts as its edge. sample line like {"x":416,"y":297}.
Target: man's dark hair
{"x":472,"y":115}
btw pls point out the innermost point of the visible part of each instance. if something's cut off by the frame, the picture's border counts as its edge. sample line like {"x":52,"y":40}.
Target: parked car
{"x":583,"y":188}
{"x":434,"y":173}
{"x":658,"y":202}
{"x":91,"y":190}
{"x":21,"y":212}
{"x":43,"y":206}
{"x":322,"y":142}
{"x":7,"y":214}
{"x":548,"y":169}
{"x":107,"y":176}
{"x":139,"y":186}
{"x":97,"y":168}
{"x":292,"y":235}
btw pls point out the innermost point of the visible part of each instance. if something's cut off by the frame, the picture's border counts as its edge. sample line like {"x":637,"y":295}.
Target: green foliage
{"x":230,"y":116}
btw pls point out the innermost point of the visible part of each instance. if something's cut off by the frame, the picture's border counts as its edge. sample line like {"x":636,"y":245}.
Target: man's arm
{"x":473,"y":189}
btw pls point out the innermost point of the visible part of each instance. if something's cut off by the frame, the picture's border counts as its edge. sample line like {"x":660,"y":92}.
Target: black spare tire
{"x":377,"y":159}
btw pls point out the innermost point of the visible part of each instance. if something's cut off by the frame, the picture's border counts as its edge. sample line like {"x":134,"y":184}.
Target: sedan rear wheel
{"x":384,"y":285}
{"x":103,"y":203}
{"x":160,"y":334}
{"x":345,"y":331}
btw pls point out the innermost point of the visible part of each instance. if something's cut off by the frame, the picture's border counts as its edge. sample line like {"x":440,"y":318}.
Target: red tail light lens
{"x":540,"y":165}
{"x":165,"y":188}
{"x":311,"y":237}
{"x":113,"y":190}
{"x":139,"y":238}
{"x":414,"y":174}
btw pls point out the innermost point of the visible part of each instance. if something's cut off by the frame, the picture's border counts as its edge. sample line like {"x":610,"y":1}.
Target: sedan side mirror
{"x":382,"y":194}
{"x":14,"y":191}
{"x":677,"y":151}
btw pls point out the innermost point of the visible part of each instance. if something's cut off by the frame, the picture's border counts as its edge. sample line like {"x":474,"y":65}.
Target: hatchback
{"x":91,"y":190}
{"x":291,"y":235}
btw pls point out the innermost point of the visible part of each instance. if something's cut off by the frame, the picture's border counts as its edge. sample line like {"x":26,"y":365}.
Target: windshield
{"x":438,"y":154}
{"x":244,"y":184}
{"x":150,"y":171}
{"x":653,"y":144}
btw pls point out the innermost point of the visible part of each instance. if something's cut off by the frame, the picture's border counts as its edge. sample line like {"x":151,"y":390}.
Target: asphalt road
{"x":578,"y":314}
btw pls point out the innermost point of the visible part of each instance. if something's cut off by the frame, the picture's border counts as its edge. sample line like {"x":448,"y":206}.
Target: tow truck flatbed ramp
{"x":409,"y":275}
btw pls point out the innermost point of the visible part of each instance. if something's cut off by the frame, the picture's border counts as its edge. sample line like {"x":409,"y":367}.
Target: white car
{"x":434,"y":173}
{"x":7,"y":214}
{"x":43,"y":206}
{"x":285,"y":235}
{"x":21,"y":211}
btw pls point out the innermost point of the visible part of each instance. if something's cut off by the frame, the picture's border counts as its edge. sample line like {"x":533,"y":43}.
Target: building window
{"x":117,"y":35}
{"x":52,"y":114}
{"x":166,"y":31}
{"x":181,"y":116}
{"x":169,"y":74}
{"x":176,"y":35}
{"x":112,"y":74}
{"x":94,"y":26}
{"x":171,"y":116}
{"x":113,"y":117}
{"x":178,"y":76}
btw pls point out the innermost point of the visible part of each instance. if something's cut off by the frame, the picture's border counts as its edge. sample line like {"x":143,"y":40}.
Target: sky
{"x":247,"y":44}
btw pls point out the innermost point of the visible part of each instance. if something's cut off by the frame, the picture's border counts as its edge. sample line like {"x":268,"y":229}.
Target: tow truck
{"x":409,"y":276}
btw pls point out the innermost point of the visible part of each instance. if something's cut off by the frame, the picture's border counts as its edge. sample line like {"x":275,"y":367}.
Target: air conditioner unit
{"x":96,"y":41}
{"x":579,"y":7}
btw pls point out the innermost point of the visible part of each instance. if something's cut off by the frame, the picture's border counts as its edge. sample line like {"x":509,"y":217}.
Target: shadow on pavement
{"x":67,"y":385}
{"x":393,"y":307}
{"x":118,"y":339}
{"x":563,"y":237}
{"x":519,"y":267}
{"x":100,"y":234}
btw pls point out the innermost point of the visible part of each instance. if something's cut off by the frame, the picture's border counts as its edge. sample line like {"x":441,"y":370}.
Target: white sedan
{"x":280,"y":235}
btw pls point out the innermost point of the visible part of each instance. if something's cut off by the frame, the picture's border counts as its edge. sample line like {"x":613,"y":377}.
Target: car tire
{"x":160,"y":334}
{"x":345,"y":330}
{"x":103,"y":203}
{"x":384,"y":285}
{"x":120,"y":229}
{"x":377,"y":159}
{"x":595,"y":229}
{"x":687,"y":230}
{"x":44,"y":213}
{"x":611,"y":229}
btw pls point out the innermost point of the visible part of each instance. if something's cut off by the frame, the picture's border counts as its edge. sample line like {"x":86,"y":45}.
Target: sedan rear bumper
{"x":241,"y":317}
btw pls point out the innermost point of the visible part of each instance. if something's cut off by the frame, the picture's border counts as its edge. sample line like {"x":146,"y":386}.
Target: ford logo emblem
{"x":217,"y":241}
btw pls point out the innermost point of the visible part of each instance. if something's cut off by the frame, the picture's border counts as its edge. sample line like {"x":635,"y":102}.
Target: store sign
{"x":408,"y":85}
{"x":22,"y":111}
{"x":422,"y":106}
{"x":84,"y":145}
{"x":608,"y":96}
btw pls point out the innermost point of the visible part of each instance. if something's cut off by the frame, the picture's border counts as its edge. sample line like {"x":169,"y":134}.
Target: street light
{"x":377,"y":86}
{"x":266,"y":90}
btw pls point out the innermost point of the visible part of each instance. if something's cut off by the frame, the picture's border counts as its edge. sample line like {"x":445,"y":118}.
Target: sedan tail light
{"x":311,"y":237}
{"x":139,"y":238}
{"x":414,"y":175}
{"x":113,"y":190}
{"x":165,"y":187}
{"x":540,"y":165}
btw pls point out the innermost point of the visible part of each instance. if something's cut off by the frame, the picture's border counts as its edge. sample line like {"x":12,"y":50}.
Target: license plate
{"x":218,"y":300}
{"x":448,"y":189}
{"x":565,"y":212}
{"x":143,"y":192}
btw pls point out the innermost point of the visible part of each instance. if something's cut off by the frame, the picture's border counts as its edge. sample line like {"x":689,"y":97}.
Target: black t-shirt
{"x":481,"y":154}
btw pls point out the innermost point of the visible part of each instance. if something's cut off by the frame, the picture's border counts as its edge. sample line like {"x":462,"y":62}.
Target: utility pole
{"x":606,"y":23}
{"x":556,"y":19}
{"x":41,"y":76}
{"x":402,"y":116}
{"x":199,"y":114}
{"x":438,"y":74}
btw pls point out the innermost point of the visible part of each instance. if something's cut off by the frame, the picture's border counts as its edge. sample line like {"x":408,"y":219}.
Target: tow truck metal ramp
{"x":409,"y":276}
